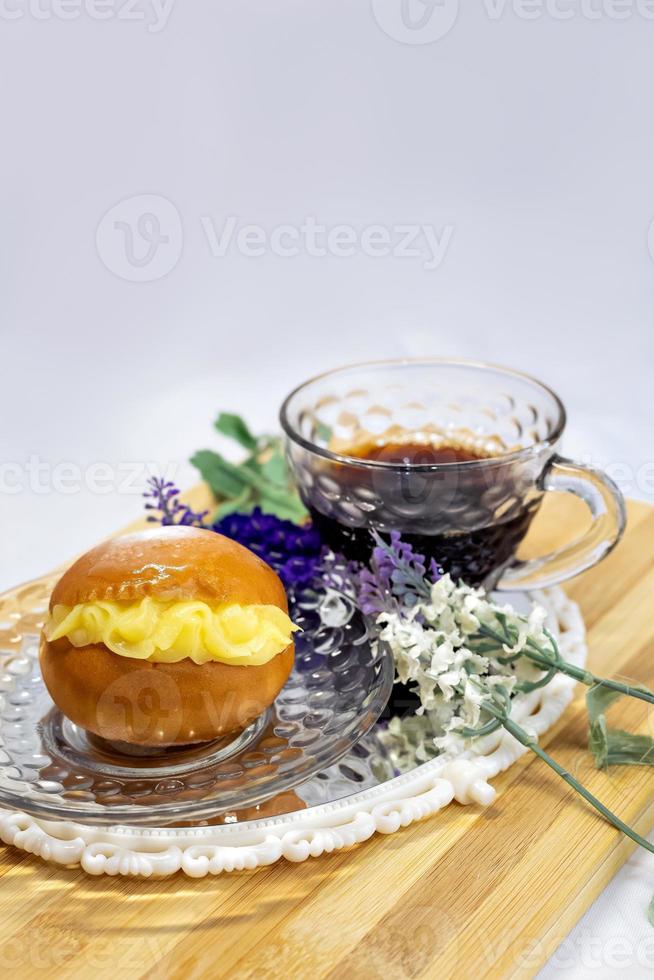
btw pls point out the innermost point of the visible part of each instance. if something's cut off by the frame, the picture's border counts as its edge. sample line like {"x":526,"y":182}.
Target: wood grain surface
{"x":467,"y":893}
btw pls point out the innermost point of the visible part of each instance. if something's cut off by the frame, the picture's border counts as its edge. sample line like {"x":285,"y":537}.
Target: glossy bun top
{"x":170,"y":563}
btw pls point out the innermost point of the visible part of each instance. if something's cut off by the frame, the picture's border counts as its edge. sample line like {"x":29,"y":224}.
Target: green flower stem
{"x":531,"y":743}
{"x":556,"y":662}
{"x":487,"y":729}
{"x":588,"y":678}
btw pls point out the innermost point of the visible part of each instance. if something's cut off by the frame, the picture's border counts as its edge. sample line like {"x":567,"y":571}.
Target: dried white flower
{"x":440,"y":647}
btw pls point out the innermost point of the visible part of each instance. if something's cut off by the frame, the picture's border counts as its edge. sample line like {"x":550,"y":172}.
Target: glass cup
{"x":483,"y":444}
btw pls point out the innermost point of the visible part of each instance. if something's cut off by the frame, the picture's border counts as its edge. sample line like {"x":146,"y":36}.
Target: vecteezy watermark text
{"x":569,"y":9}
{"x":42,"y":476}
{"x":141,"y":239}
{"x":426,"y":21}
{"x":154,"y":13}
{"x":310,"y":237}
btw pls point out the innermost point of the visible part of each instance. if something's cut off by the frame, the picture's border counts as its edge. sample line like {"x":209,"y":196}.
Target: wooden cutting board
{"x":469,"y":892}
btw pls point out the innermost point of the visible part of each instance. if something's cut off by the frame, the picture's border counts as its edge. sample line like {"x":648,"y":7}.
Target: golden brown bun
{"x":149,"y":704}
{"x":170,"y":563}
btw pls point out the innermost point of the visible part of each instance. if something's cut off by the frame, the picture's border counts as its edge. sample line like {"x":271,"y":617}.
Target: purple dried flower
{"x":293,"y":550}
{"x":163,"y":496}
{"x":397,"y":576}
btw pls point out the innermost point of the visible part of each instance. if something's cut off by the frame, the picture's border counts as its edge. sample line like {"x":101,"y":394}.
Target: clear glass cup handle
{"x":606,"y":505}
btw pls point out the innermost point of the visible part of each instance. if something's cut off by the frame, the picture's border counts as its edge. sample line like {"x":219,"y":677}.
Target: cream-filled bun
{"x":167,"y":637}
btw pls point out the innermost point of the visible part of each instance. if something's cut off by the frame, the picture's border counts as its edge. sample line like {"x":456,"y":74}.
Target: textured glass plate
{"x":51,"y":768}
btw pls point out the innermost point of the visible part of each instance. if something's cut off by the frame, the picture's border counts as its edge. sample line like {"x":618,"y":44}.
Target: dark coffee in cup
{"x":455,"y":455}
{"x":481,"y":542}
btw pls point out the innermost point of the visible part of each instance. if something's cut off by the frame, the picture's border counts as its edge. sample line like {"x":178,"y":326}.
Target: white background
{"x":526,"y":132}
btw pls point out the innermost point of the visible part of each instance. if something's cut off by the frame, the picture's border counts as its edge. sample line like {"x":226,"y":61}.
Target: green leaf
{"x":275,"y":469}
{"x":224,"y":478}
{"x":612,"y":746}
{"x":234,"y":427}
{"x":242,"y":504}
{"x":241,"y":487}
{"x":295,"y":511}
{"x":286,"y":505}
{"x":650,"y":912}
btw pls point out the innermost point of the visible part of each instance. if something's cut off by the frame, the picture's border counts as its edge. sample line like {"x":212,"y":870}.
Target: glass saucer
{"x":51,"y":768}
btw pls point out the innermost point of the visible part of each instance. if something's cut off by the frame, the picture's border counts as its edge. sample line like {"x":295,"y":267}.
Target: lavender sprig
{"x":397,"y":576}
{"x":163,"y":496}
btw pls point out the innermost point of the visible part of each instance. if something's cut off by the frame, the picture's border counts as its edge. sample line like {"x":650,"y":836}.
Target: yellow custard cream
{"x":165,"y":632}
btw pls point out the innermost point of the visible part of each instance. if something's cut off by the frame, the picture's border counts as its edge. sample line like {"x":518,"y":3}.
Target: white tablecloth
{"x":614,"y":937}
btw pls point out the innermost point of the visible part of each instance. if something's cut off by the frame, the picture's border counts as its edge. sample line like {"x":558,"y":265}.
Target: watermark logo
{"x":416,"y":21}
{"x":426,"y":21}
{"x":141,"y":238}
{"x":571,"y":9}
{"x":312,"y":238}
{"x":632,"y":480}
{"x":154,"y":13}
{"x":143,"y":703}
{"x":43,"y":476}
